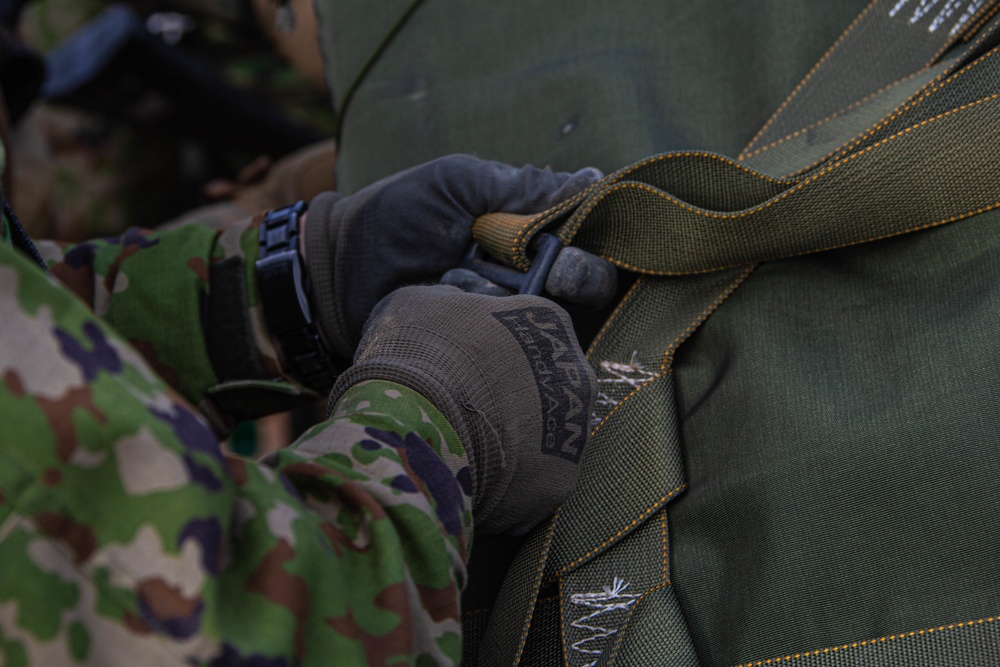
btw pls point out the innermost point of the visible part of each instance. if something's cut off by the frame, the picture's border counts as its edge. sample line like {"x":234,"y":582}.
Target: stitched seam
{"x":933,"y":87}
{"x":597,"y":192}
{"x":791,"y":191}
{"x":808,"y":76}
{"x":562,"y":624}
{"x":668,"y":355}
{"x":869,"y":642}
{"x":910,"y":103}
{"x":971,"y":32}
{"x":954,"y":39}
{"x":515,"y":245}
{"x":526,"y":233}
{"x":536,"y":585}
{"x":628,"y":619}
{"x":624,"y":531}
{"x":835,"y":114}
{"x":614,"y":316}
{"x":929,"y":225}
{"x":625,"y":400}
{"x":664,"y":370}
{"x":990,"y":12}
{"x":366,"y":68}
{"x":663,"y":536}
{"x":617,"y":176}
{"x":555,"y":518}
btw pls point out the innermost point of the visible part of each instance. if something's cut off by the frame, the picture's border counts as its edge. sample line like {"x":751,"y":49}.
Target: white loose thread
{"x":610,"y":598}
{"x":503,"y":456}
{"x":632,"y":374}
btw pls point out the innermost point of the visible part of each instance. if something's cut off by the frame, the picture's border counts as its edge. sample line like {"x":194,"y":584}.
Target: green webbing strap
{"x":957,"y":79}
{"x":866,"y":120}
{"x":510,"y":620}
{"x":866,"y":196}
{"x":632,"y":357}
{"x":656,"y":217}
{"x":815,"y":144}
{"x":887,"y":42}
{"x":702,"y":179}
{"x":695,"y":214}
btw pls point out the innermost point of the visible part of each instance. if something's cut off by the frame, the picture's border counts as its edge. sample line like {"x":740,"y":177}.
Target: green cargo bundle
{"x":795,"y":457}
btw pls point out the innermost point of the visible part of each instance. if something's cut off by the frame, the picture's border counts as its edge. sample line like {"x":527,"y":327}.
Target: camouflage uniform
{"x":127,"y":537}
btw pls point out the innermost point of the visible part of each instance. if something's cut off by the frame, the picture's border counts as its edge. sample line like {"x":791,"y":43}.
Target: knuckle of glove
{"x":520,"y":389}
{"x":549,"y":423}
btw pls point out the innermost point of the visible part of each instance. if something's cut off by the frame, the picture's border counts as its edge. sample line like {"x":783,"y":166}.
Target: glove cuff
{"x":321,"y":242}
{"x":469,"y":409}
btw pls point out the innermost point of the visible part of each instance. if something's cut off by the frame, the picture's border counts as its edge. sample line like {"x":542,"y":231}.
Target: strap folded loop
{"x":686,"y":213}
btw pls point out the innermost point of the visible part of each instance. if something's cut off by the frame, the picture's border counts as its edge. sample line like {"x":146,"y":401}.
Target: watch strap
{"x":283,"y":284}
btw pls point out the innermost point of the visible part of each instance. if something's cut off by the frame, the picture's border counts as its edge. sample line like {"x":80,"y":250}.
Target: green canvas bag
{"x":563,"y":83}
{"x":795,"y":457}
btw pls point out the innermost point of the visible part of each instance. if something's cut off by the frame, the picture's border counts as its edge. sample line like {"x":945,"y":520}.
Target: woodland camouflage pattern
{"x":128,"y":538}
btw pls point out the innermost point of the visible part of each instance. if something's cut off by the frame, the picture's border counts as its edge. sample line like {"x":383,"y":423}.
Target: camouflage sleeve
{"x":128,"y":538}
{"x":152,"y":287}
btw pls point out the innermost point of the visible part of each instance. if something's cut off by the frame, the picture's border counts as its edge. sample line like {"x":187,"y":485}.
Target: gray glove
{"x":409,"y":229}
{"x":507,"y":373}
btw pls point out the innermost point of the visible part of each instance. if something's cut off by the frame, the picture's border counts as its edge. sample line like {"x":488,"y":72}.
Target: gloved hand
{"x":411,"y":228}
{"x":507,"y":373}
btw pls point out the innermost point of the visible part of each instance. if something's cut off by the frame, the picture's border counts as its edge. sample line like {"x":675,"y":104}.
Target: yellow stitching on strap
{"x":787,"y":193}
{"x":636,"y":521}
{"x":628,"y":619}
{"x":663,"y":537}
{"x":933,"y":87}
{"x":668,"y":355}
{"x":614,"y":315}
{"x":808,"y":76}
{"x":539,"y":570}
{"x":837,"y":114}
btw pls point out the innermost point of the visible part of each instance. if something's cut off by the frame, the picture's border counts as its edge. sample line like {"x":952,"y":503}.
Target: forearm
{"x":119,"y":509}
{"x":391,"y":483}
{"x":187,"y":300}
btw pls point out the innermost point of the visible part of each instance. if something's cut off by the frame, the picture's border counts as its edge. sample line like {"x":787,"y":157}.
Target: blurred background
{"x":151,"y":113}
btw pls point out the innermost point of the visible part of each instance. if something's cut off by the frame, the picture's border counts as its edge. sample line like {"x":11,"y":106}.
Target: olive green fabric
{"x":643,"y":220}
{"x":973,"y":643}
{"x":820,"y":490}
{"x":817,"y":420}
{"x":564,"y":84}
{"x":819,"y":141}
{"x":839,"y":418}
{"x":607,"y":547}
{"x":884,"y":45}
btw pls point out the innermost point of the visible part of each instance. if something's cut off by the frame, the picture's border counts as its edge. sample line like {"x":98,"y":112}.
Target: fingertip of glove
{"x":590,"y":174}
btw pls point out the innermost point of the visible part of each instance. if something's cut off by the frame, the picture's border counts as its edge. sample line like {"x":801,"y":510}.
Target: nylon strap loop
{"x":697,"y":213}
{"x":642,"y":226}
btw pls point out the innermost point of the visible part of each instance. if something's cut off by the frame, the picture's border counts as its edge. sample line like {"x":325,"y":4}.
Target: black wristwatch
{"x":285,"y":295}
